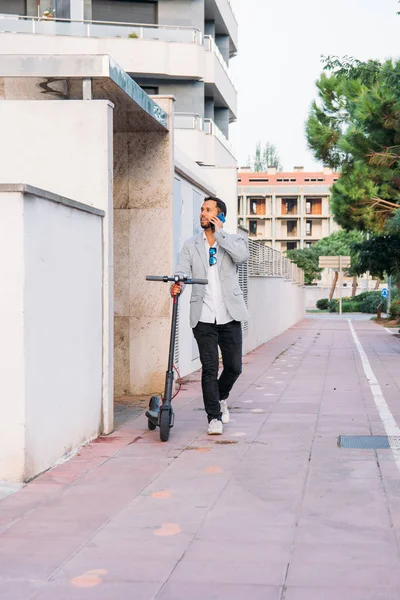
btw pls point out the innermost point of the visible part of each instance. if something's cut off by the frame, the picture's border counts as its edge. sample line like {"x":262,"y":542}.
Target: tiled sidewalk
{"x":272,"y":510}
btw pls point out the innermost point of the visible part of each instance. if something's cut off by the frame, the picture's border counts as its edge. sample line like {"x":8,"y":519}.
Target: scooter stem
{"x":169,"y":377}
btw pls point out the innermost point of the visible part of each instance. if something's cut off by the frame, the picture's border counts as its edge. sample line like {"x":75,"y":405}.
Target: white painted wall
{"x":274,"y":305}
{"x":12,"y":358}
{"x":51,"y":319}
{"x":67,"y":148}
{"x":187,"y":202}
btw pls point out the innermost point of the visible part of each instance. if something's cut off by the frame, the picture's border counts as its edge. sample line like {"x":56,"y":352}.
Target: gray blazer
{"x":232,"y":251}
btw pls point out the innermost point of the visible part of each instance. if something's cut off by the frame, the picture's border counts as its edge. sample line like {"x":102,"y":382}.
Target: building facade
{"x":169,"y":47}
{"x":287,"y":210}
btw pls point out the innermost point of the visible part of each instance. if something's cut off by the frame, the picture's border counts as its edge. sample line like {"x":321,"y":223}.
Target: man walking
{"x":217,"y":309}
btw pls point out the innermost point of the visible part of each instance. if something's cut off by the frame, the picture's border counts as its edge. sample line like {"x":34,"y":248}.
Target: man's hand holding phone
{"x":218,"y":222}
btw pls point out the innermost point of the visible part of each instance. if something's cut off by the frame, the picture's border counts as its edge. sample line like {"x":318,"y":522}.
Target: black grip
{"x":198,"y":281}
{"x":157,"y":278}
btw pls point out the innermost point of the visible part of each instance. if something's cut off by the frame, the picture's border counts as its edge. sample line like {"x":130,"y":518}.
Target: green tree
{"x":380,"y":255}
{"x":339,"y":243}
{"x":264,"y":157}
{"x":355,"y":127}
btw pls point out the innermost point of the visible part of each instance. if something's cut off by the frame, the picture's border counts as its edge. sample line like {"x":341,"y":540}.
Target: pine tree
{"x":355,"y":127}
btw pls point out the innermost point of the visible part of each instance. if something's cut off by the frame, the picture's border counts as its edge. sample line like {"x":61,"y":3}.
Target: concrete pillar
{"x":77,"y":10}
{"x":209,"y":28}
{"x":32,"y":8}
{"x":221,"y":118}
{"x":222,"y":42}
{"x":143,"y":245}
{"x":87,"y":10}
{"x":209,"y":108}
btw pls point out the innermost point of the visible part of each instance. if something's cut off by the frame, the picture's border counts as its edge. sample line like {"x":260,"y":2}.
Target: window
{"x":150,"y":91}
{"x":314,"y":206}
{"x":291,"y":245}
{"x":257,"y":206}
{"x":253,"y":227}
{"x":125,"y":11}
{"x":239,"y":180}
{"x":258,"y":179}
{"x":308,"y":227}
{"x":308,"y":245}
{"x":239,"y":208}
{"x":289,"y":206}
{"x":292,"y":228}
{"x":293,"y":180}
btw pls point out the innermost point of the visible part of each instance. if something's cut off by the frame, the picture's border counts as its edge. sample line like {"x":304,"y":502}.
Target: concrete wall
{"x":51,"y":320}
{"x":189,"y":95}
{"x":274,"y":305}
{"x":133,"y":55}
{"x":143,"y":243}
{"x":66,"y":147}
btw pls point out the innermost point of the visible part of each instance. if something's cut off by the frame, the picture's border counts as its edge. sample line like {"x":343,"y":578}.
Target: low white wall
{"x":275,"y":304}
{"x":67,"y":147}
{"x":51,"y":317}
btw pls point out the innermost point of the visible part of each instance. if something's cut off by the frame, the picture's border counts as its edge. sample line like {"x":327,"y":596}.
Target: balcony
{"x":203,"y":141}
{"x":99,"y":29}
{"x":221,"y":12}
{"x":218,"y":78}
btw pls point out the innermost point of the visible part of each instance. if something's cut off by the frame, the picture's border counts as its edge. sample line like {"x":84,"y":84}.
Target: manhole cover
{"x":369,"y":442}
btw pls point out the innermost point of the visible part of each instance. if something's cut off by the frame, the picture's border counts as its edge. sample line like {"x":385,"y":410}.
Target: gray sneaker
{"x":224,"y":411}
{"x":215,"y":427}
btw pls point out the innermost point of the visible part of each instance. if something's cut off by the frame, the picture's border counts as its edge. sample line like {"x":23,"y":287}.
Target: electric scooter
{"x":160,"y":413}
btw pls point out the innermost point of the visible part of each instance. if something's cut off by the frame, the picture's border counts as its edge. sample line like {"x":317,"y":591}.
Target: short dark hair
{"x":220,"y":204}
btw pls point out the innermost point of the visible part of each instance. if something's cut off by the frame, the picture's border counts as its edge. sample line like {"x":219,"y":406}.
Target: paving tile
{"x":257,"y":572}
{"x":310,"y":593}
{"x":212,"y":591}
{"x":92,"y":587}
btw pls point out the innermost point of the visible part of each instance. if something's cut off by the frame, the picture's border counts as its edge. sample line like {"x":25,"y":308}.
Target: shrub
{"x":394,"y":310}
{"x":370,"y":303}
{"x":333,"y":306}
{"x":133,"y":36}
{"x":323,"y":303}
{"x":350,"y":307}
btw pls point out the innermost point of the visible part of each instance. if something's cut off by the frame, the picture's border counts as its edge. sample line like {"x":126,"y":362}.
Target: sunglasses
{"x":212,"y":256}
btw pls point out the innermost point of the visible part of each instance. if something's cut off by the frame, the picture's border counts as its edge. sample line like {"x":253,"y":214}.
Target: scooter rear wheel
{"x":151,"y":425}
{"x":165,"y":419}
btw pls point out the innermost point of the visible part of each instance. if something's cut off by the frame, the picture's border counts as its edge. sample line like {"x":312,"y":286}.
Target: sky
{"x":279,"y":60}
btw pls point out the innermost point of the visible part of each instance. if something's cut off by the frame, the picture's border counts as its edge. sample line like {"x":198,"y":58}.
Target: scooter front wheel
{"x":165,"y":422}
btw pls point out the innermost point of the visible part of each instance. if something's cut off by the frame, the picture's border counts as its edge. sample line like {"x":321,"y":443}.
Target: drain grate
{"x":369,"y":442}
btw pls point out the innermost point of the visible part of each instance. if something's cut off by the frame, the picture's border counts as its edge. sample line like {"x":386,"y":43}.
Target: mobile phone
{"x":221,"y":217}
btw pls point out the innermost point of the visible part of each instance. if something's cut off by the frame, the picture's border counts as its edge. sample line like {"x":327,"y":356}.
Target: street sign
{"x":385,"y":293}
{"x":337,"y":263}
{"x":334,"y":262}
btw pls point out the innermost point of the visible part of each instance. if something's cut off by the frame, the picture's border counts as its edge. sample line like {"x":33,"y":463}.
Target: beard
{"x":205,"y":225}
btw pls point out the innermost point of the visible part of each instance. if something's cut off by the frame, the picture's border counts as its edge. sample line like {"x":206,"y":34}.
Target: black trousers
{"x":229,"y":338}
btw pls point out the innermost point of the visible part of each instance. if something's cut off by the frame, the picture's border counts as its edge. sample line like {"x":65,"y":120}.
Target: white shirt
{"x":214,"y":308}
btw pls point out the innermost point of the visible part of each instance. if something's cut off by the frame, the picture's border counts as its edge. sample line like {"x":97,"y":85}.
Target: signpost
{"x":337,"y":263}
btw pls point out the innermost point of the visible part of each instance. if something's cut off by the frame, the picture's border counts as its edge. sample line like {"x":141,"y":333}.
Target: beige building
{"x":287,"y":210}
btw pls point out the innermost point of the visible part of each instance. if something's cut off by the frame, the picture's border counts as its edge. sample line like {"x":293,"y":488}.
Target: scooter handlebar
{"x":177,"y":279}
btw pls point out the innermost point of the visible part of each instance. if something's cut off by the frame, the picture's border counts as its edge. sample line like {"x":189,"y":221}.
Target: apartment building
{"x":169,"y":47}
{"x":287,"y":210}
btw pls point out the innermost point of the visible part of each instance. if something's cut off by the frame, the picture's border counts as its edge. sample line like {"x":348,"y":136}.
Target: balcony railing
{"x":100,"y":29}
{"x":188,"y":121}
{"x":195,"y":121}
{"x":211,"y":46}
{"x":211,"y":129}
{"x":266,"y":262}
